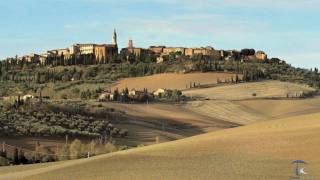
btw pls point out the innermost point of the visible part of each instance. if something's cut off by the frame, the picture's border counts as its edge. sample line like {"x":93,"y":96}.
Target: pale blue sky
{"x":288,"y":29}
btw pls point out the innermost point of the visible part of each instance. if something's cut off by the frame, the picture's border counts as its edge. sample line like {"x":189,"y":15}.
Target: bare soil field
{"x":272,"y":109}
{"x":245,"y":112}
{"x":237,"y":104}
{"x":167,"y":122}
{"x":229,"y":111}
{"x":171,"y":81}
{"x":263,"y":150}
{"x":243,"y":91}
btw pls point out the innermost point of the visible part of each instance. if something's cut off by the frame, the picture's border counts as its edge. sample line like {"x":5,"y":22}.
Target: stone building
{"x":204,"y":51}
{"x":130,"y":44}
{"x":168,"y":50}
{"x":131,"y":50}
{"x":207,"y":51}
{"x":102,"y":52}
{"x":157,"y":50}
{"x":105,"y":52}
{"x":189,"y":52}
{"x":162,"y":93}
{"x":65,"y":53}
{"x":86,"y":48}
{"x":163,"y":50}
{"x":43,"y":58}
{"x":262,"y":56}
{"x":32,"y":58}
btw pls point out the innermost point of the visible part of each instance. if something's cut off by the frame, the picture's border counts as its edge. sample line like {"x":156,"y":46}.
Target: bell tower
{"x":114,"y":37}
{"x":130,"y":44}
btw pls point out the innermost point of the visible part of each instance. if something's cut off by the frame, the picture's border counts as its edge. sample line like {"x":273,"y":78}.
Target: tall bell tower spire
{"x":114,"y":37}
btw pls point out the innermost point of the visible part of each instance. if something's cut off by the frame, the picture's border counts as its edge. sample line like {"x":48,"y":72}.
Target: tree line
{"x":269,"y":69}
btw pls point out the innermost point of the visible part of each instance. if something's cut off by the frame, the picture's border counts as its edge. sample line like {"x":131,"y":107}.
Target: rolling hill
{"x":278,"y":130}
{"x":254,"y":90}
{"x":263,"y":150}
{"x":171,"y":81}
{"x":247,"y":103}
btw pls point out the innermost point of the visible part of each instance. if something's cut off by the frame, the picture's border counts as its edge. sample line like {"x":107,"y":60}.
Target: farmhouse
{"x":133,"y":93}
{"x":27,"y":97}
{"x":106,"y":97}
{"x":162,"y":92}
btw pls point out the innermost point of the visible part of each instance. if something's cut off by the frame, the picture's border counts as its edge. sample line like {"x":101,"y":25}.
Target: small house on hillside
{"x":134,"y":92}
{"x":27,"y":97}
{"x":162,"y":93}
{"x":106,"y":97}
{"x":160,"y":60}
{"x":140,"y":96}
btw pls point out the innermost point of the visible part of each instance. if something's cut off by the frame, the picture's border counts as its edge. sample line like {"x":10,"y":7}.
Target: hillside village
{"x":89,"y":54}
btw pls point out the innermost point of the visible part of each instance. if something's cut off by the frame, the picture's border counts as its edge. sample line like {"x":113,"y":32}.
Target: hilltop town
{"x":89,"y":54}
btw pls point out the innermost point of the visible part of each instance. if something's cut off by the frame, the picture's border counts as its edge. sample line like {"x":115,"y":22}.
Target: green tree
{"x":116,"y":95}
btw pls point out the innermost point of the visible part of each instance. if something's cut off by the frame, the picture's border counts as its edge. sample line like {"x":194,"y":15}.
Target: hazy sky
{"x":288,"y":29}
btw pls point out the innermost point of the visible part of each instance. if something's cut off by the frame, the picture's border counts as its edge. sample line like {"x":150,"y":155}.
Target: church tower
{"x":114,"y":38}
{"x":130,"y":44}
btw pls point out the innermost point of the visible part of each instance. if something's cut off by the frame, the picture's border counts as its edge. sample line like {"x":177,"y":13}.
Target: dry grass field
{"x":229,"y":111}
{"x":259,"y":151}
{"x":272,"y":109}
{"x":166,"y":121}
{"x":171,"y":81}
{"x":264,"y":89}
{"x":199,"y":117}
{"x":245,"y":112}
{"x":236,"y":103}
{"x":277,"y":130}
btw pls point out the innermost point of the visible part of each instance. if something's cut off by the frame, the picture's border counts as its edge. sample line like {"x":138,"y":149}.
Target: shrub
{"x":96,"y":148}
{"x":123,"y":133}
{"x":77,"y":149}
{"x":121,"y":148}
{"x":157,"y":140}
{"x":110,"y":147}
{"x":43,"y":154}
{"x":4,"y":161}
{"x":64,"y":153}
{"x":75,"y":91}
{"x":47,"y":158}
{"x":64,"y":96}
